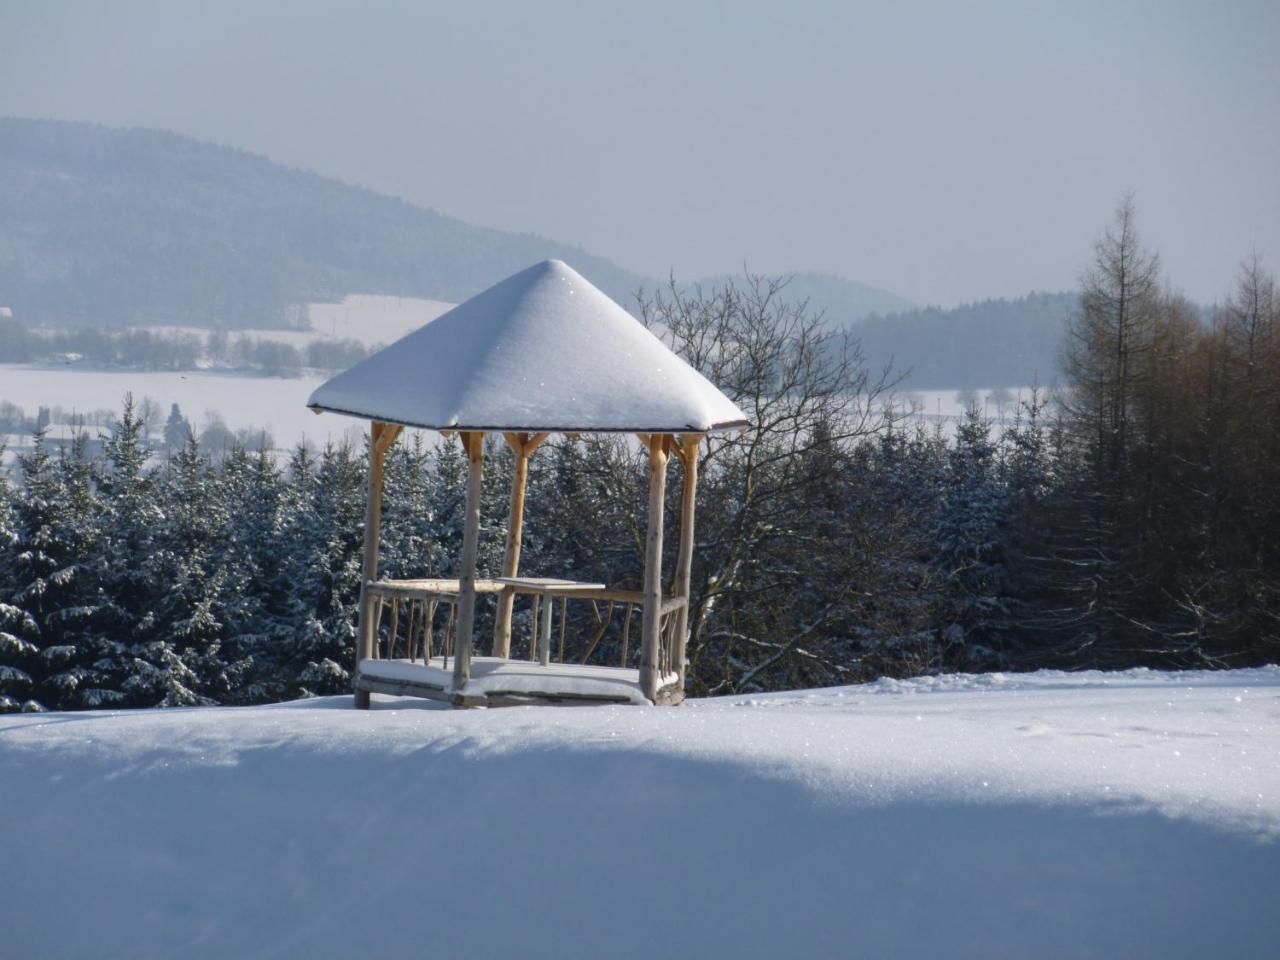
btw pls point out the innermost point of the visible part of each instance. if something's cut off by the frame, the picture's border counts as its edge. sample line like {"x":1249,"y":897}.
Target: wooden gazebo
{"x":541,"y":352}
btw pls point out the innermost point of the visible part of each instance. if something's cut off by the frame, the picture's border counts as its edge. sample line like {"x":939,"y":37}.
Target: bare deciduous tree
{"x":810,"y":397}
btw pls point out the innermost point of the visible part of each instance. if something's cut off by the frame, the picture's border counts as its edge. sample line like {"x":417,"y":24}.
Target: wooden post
{"x":473,"y":443}
{"x":381,"y":436}
{"x":544,"y":639}
{"x":651,"y":614}
{"x":522,"y":445}
{"x":688,"y":453}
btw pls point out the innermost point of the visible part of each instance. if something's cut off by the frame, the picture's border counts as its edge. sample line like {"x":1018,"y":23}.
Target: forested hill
{"x":842,"y":301}
{"x":991,"y":343}
{"x":106,"y":227}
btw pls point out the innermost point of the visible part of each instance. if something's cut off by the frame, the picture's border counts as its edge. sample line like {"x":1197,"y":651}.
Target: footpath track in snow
{"x":1049,"y":814}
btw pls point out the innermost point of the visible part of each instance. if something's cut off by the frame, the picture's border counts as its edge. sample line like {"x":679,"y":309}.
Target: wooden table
{"x":545,"y":588}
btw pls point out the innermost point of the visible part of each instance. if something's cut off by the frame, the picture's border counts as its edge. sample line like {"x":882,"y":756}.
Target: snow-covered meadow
{"x":278,"y":404}
{"x":274,"y":404}
{"x":1050,"y":815}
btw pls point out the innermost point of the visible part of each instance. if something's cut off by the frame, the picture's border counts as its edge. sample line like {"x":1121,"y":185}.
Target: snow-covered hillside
{"x":1129,"y":814}
{"x":372,"y":318}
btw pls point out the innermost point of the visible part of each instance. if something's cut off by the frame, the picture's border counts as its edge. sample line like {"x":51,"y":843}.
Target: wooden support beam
{"x":518,"y":442}
{"x":473,"y":443}
{"x":535,"y":603}
{"x":544,"y":638}
{"x":381,"y":436}
{"x":564,"y":619}
{"x":387,"y":436}
{"x":651,"y":613}
{"x":522,"y":445}
{"x":687,"y":449}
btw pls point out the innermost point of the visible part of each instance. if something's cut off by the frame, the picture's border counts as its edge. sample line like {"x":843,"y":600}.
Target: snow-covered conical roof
{"x":543,"y":350}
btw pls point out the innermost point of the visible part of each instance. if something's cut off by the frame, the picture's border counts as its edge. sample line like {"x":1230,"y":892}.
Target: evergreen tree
{"x":257,"y":600}
{"x":324,"y":522}
{"x":188,"y":604}
{"x":53,"y":580}
{"x":18,"y":629}
{"x":147,"y":667}
{"x":177,"y":429}
{"x":969,"y":547}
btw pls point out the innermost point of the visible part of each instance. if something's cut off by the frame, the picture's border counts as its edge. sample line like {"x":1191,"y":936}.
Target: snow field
{"x":1132,"y":814}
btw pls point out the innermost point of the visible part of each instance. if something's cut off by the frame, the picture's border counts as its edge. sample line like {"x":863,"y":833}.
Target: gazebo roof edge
{"x":529,"y":428}
{"x":541,"y":350}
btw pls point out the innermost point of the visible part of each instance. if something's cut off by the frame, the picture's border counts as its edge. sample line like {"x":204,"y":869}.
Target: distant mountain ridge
{"x":109,"y":227}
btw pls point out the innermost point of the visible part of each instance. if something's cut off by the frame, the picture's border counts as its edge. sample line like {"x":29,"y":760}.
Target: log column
{"x":651,"y":613}
{"x":687,"y":450}
{"x":381,"y":436}
{"x":473,"y":443}
{"x":522,"y":445}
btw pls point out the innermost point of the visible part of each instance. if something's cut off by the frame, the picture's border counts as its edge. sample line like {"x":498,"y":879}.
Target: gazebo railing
{"x":420,"y":621}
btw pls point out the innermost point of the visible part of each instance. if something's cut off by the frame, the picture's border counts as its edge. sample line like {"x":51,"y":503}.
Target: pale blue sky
{"x":946,"y":151}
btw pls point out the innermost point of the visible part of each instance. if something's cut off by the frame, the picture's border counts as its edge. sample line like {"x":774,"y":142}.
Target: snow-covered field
{"x":372,"y":319}
{"x":1047,"y":815}
{"x":276,"y":404}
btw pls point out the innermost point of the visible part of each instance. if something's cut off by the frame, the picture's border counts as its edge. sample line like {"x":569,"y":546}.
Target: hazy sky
{"x":946,"y":151}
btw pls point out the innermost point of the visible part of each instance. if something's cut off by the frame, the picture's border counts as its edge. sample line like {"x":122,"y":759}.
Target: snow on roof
{"x":542,"y":350}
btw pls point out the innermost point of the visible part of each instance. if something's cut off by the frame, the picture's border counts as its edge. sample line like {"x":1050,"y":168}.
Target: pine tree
{"x":1107,"y":367}
{"x":146,"y":668}
{"x":187,"y":608}
{"x":324,"y":522}
{"x":53,"y":578}
{"x":257,"y":601}
{"x":18,"y":630}
{"x":969,"y":550}
{"x":177,"y":429}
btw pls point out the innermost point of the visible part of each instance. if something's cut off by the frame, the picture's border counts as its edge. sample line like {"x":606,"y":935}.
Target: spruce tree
{"x":18,"y":630}
{"x":968,"y":547}
{"x":146,"y":667}
{"x":187,"y":608}
{"x":257,"y":604}
{"x":324,"y":523}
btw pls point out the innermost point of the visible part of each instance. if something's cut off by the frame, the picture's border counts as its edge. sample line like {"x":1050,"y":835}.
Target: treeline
{"x":1133,"y":521}
{"x":173,"y":350}
{"x":999,"y":342}
{"x":1161,"y":539}
{"x":136,"y":578}
{"x":162,"y":435}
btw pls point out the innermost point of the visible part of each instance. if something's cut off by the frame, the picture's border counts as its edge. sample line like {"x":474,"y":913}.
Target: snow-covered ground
{"x":372,"y":319}
{"x":277,"y":404}
{"x":1132,"y":814}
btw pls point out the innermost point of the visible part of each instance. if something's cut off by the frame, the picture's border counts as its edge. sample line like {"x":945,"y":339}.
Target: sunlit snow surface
{"x":1124,"y":814}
